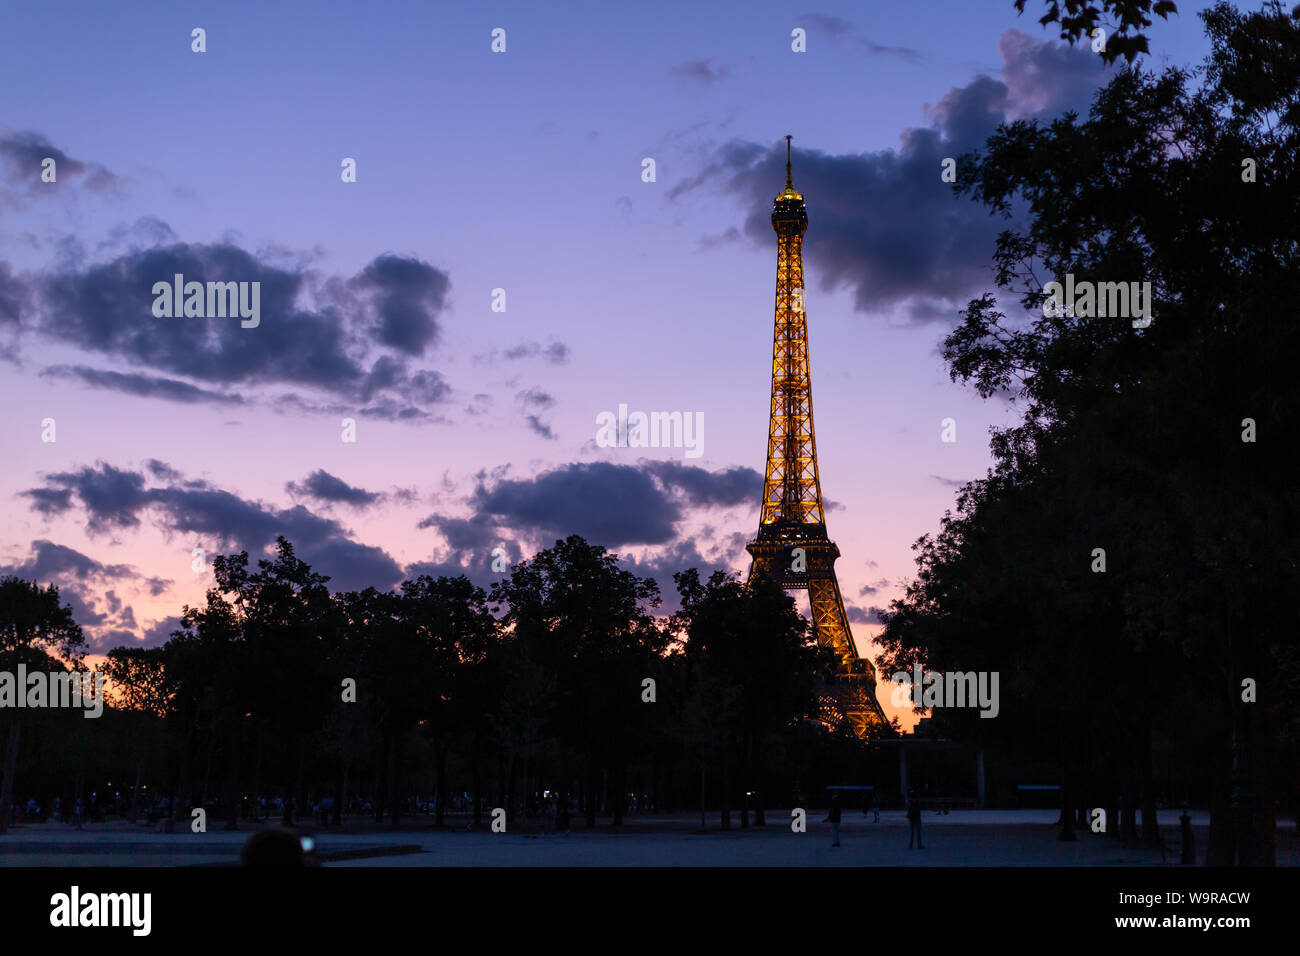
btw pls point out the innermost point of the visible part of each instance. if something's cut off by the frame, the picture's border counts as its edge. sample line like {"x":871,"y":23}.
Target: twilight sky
{"x":476,"y":171}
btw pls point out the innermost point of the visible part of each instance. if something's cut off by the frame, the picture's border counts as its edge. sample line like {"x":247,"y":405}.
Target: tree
{"x":141,"y":689}
{"x":1127,"y":20}
{"x":752,"y":664}
{"x":39,"y":632}
{"x":1132,"y":437}
{"x":580,"y":640}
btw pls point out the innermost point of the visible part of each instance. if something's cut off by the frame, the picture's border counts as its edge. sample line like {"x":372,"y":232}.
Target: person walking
{"x":914,"y":821}
{"x":834,"y":818}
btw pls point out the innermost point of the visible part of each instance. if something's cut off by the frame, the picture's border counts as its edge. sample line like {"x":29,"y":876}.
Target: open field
{"x":961,"y":838}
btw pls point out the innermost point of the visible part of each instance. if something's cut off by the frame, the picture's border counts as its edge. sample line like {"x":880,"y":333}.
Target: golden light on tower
{"x":792,"y":518}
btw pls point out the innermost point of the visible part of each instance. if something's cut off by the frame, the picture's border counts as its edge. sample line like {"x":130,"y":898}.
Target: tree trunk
{"x":477,"y":782}
{"x":620,"y":791}
{"x":440,"y":789}
{"x":1150,"y":824}
{"x":139,"y":781}
{"x":381,"y":789}
{"x":10,"y":768}
{"x":725,"y":791}
{"x":342,"y":795}
{"x":703,"y":823}
{"x":744,"y":781}
{"x":395,"y":786}
{"x":232,"y":781}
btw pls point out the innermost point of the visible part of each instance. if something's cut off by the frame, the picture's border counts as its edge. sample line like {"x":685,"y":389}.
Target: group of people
{"x":70,"y":812}
{"x":913,"y":818}
{"x":554,"y":812}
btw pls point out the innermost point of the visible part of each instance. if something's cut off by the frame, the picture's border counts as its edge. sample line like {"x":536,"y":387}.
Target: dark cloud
{"x":49,"y":501}
{"x":350,"y":339}
{"x":607,"y":504}
{"x":843,"y":33}
{"x":858,"y":616}
{"x":883,"y":223}
{"x":110,"y":496}
{"x":873,"y":588}
{"x":323,"y":486}
{"x":15,"y":298}
{"x":538,"y":426}
{"x":146,"y":386}
{"x":557,"y":353}
{"x":79,"y":579}
{"x":145,"y":231}
{"x":950,"y":482}
{"x":679,"y":556}
{"x":734,"y":486}
{"x":21,"y":155}
{"x":50,"y":562}
{"x":729,"y":237}
{"x":408,"y":297}
{"x":158,"y":633}
{"x":160,"y":469}
{"x":477,"y":533}
{"x":702,"y":71}
{"x":534,"y":400}
{"x":114,"y":498}
{"x":157,"y":586}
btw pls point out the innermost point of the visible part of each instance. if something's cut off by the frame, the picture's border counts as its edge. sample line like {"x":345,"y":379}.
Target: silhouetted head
{"x":278,"y":847}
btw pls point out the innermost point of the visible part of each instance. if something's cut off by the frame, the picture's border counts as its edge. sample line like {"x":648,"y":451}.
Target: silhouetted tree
{"x":1132,"y":438}
{"x":39,"y":632}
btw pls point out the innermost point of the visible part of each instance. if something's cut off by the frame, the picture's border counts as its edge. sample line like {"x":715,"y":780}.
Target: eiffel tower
{"x":792,"y":547}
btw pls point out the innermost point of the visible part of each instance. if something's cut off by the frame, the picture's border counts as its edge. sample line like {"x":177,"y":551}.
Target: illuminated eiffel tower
{"x":792,"y":547}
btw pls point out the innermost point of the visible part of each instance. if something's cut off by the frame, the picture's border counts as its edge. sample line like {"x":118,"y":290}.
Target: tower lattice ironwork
{"x":792,"y":547}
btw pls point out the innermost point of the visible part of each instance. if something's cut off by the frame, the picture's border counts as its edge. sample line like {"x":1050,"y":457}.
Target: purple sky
{"x":477,"y":171}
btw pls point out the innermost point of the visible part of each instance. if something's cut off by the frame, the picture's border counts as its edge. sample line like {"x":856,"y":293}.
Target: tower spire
{"x":789,"y":181}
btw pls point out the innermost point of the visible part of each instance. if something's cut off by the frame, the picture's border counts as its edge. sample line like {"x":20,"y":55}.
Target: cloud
{"x":858,"y":616}
{"x":48,"y":562}
{"x":15,"y":298}
{"x":535,"y":400}
{"x":557,"y":353}
{"x":158,"y":633}
{"x":728,"y":237}
{"x":476,"y":533}
{"x":114,"y":498}
{"x":80,"y":578}
{"x":950,"y":482}
{"x":738,"y":485}
{"x":352,"y":340}
{"x":873,"y":588}
{"x":323,"y":486}
{"x":843,"y":33}
{"x":701,"y":71}
{"x":21,"y":156}
{"x":146,"y":386}
{"x":677,"y":557}
{"x":408,"y":297}
{"x":883,"y":224}
{"x":607,"y":504}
